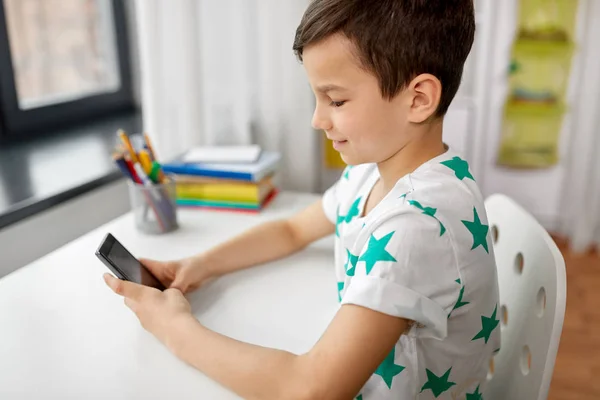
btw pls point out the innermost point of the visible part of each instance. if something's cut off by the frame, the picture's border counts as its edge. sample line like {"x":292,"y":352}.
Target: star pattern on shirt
{"x":478,"y":230}
{"x":353,"y":211}
{"x":488,"y":324}
{"x":339,"y":220}
{"x":475,"y":395}
{"x":376,"y":251}
{"x":350,"y":266}
{"x":437,"y":384}
{"x":347,"y":172}
{"x":388,"y":369}
{"x":340,"y":287}
{"x":460,"y":168}
{"x":428,"y":211}
{"x":459,"y":303}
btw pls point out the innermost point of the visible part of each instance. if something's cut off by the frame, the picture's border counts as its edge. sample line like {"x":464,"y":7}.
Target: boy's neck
{"x":427,"y":145}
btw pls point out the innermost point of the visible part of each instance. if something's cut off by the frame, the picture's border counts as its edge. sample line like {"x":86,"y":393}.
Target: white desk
{"x":65,"y":335}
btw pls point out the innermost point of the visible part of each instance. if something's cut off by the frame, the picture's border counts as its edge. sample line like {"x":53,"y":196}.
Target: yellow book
{"x":213,"y":189}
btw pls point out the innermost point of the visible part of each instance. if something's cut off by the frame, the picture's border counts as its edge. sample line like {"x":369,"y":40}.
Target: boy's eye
{"x":337,"y":103}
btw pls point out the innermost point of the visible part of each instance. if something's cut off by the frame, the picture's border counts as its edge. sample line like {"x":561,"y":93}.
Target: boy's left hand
{"x":157,"y":311}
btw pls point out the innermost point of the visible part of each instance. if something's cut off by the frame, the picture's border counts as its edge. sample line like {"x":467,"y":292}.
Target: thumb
{"x":153,"y":265}
{"x":160,"y":269}
{"x":180,"y":283}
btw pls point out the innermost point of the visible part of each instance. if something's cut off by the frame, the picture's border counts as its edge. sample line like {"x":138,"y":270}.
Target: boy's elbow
{"x":315,"y":390}
{"x":307,"y":390}
{"x":309,"y":384}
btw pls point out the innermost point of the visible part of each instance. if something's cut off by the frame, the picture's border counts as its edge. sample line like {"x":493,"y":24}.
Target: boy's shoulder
{"x":447,"y":179}
{"x":443,"y":191}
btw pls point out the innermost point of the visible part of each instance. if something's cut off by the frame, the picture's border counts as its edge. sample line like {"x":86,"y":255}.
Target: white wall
{"x":24,"y":242}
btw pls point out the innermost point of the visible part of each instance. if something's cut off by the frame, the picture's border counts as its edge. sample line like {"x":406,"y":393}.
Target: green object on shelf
{"x":530,"y":134}
{"x":538,"y":110}
{"x":538,"y":78}
{"x":526,"y":47}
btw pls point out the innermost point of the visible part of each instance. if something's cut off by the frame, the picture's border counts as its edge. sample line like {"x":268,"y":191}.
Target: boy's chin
{"x":350,"y":159}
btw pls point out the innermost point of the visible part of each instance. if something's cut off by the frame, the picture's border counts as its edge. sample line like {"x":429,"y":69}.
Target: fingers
{"x":156,"y":267}
{"x":180,"y":283}
{"x":126,"y":289}
{"x":161,"y":270}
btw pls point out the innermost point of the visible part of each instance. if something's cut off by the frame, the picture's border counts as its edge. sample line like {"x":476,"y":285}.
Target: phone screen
{"x":121,"y":259}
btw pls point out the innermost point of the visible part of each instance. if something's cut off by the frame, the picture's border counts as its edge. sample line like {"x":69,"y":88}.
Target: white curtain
{"x":580,"y":203}
{"x":223,"y":72}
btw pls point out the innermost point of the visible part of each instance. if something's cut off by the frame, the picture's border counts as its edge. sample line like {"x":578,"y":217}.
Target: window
{"x":61,"y":62}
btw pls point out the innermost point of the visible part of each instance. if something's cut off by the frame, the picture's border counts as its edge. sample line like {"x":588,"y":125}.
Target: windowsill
{"x":49,"y":170}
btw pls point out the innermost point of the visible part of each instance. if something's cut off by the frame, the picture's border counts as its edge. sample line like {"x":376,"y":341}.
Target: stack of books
{"x":236,"y":185}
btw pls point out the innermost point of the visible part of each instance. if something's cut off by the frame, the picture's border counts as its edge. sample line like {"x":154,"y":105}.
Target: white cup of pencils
{"x":151,"y":192}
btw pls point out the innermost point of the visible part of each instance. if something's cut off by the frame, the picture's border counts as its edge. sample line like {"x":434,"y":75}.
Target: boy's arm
{"x":336,"y":368}
{"x":269,"y":241}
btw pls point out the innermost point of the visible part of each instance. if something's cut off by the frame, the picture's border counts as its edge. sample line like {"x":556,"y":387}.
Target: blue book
{"x":252,"y":172}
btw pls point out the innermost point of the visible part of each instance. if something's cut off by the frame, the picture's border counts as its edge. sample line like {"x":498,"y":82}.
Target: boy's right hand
{"x":187,"y":274}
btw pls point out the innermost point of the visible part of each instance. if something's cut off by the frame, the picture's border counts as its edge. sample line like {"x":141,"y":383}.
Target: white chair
{"x":532,"y":284}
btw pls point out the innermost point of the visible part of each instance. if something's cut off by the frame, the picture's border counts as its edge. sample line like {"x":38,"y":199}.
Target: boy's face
{"x":363,"y":126}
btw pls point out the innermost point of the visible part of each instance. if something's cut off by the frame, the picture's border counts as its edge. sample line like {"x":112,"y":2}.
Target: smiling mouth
{"x":338,"y":144}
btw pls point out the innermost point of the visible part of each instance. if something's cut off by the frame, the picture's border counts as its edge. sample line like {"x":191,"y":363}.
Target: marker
{"x":149,"y":146}
{"x":128,"y":145}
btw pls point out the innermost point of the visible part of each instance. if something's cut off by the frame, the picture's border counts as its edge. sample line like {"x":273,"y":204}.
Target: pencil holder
{"x":154,"y":206}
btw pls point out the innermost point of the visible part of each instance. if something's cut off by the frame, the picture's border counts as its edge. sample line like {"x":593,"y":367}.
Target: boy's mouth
{"x":339,"y":143}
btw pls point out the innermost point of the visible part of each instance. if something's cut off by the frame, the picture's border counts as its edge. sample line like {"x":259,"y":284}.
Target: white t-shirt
{"x":424,"y":253}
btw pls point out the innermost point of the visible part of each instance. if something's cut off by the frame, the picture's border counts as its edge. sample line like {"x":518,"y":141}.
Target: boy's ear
{"x":425,"y":91}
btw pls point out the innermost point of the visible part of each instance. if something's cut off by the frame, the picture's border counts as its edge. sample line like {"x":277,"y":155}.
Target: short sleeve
{"x":407,"y":268}
{"x":330,"y":202}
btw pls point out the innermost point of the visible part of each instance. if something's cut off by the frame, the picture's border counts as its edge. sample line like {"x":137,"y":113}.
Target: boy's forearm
{"x":263,"y":243}
{"x":251,"y":371}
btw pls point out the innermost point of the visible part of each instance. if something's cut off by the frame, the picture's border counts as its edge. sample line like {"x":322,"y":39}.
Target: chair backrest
{"x":532,"y":285}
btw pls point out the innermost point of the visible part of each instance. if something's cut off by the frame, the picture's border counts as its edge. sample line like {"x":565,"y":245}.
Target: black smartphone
{"x":124,"y":265}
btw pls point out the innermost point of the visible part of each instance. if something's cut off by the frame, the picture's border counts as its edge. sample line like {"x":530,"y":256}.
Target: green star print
{"x":352,"y":260}
{"x":353,"y":211}
{"x":376,"y":251}
{"x":347,"y":172}
{"x":459,"y":302}
{"x":460,"y":168}
{"x":487,"y":326}
{"x":428,"y":211}
{"x":437,"y":384}
{"x":359,"y":397}
{"x":338,"y":222}
{"x":340,"y":286}
{"x":388,"y":369}
{"x":475,"y":395}
{"x":478,"y":230}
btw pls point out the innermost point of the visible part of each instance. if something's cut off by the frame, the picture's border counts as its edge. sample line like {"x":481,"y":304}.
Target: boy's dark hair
{"x":397,"y":40}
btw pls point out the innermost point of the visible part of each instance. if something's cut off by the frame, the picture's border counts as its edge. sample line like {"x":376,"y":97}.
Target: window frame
{"x":18,"y":124}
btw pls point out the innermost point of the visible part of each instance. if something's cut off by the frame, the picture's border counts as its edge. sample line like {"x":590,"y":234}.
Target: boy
{"x":413,"y":257}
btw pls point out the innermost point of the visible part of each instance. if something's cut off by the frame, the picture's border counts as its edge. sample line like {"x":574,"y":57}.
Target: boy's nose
{"x":320,"y":121}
